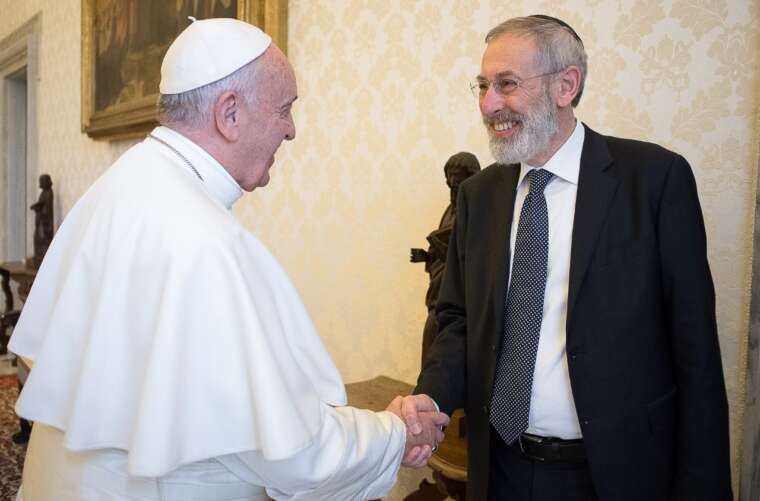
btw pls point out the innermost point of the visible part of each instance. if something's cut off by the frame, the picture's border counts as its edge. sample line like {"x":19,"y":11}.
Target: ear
{"x":567,"y":85}
{"x":227,"y":115}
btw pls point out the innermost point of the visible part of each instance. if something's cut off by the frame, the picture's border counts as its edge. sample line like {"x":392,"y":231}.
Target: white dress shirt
{"x":552,"y":408}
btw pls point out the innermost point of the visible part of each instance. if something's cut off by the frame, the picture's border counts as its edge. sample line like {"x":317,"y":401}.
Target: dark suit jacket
{"x":642,"y":344}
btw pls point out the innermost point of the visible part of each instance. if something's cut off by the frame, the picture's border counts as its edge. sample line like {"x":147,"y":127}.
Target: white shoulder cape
{"x":157,"y":324}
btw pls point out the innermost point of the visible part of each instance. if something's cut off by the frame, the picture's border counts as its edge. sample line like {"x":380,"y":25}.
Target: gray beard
{"x":538,"y":126}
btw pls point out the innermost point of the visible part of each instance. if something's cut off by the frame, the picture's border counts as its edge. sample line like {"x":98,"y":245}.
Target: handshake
{"x":424,"y":427}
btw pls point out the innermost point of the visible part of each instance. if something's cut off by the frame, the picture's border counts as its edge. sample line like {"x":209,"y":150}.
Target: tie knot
{"x":539,"y":178}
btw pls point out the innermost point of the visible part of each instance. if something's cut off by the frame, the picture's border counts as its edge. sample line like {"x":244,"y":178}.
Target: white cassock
{"x":173,"y":358}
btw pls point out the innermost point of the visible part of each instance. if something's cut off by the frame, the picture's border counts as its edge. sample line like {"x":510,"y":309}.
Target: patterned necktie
{"x":510,"y":403}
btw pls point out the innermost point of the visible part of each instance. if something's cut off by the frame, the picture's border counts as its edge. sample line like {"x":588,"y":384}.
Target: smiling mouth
{"x":502,"y":126}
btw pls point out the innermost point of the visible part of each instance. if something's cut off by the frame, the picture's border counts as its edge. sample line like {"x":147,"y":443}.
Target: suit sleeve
{"x":702,"y":447}
{"x":355,"y":457}
{"x":443,"y":372}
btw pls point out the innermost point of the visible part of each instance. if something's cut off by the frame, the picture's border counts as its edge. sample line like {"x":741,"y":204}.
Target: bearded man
{"x":173,"y":358}
{"x":577,"y":310}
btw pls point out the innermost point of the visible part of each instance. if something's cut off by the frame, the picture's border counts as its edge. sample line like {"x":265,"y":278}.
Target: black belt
{"x":550,"y":449}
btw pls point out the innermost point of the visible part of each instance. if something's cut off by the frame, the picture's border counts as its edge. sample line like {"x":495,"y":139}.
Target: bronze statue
{"x":43,"y":220}
{"x":458,"y":168}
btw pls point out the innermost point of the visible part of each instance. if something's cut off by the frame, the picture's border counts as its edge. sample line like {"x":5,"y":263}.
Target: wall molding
{"x":19,"y":53}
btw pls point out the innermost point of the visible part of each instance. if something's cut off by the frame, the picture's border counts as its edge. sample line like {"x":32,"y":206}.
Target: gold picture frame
{"x":123,"y":43}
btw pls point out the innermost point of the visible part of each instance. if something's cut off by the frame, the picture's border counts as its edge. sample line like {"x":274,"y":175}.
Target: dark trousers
{"x":515,"y":477}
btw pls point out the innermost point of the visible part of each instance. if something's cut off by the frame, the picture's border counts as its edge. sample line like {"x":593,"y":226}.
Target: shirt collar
{"x":566,"y":162}
{"x":217,"y":181}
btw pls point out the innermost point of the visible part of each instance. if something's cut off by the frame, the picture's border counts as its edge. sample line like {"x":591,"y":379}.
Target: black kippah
{"x":561,"y":23}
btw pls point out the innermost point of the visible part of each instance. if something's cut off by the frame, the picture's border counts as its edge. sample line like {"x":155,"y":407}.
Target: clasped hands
{"x":424,"y":427}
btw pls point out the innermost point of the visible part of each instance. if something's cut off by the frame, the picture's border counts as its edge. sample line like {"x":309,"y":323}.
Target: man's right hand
{"x":423,"y":437}
{"x":412,"y":406}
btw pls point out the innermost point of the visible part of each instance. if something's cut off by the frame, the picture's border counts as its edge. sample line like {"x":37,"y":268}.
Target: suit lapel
{"x":596,"y":189}
{"x":503,"y":206}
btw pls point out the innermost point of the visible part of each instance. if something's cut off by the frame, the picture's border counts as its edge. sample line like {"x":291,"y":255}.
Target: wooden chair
{"x":8,"y":319}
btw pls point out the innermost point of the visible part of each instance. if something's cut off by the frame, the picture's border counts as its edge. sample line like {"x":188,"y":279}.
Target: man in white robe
{"x":173,"y":358}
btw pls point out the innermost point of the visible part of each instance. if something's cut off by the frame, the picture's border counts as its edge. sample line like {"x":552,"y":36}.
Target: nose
{"x":491,"y":102}
{"x":290,"y":133}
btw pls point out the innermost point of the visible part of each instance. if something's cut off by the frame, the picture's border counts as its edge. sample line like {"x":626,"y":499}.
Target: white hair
{"x":195,"y":107}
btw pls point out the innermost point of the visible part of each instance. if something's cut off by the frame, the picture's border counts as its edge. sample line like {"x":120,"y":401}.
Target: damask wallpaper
{"x":384,"y":101}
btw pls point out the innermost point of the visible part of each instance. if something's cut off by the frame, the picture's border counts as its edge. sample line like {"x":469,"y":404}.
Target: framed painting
{"x":123,"y":43}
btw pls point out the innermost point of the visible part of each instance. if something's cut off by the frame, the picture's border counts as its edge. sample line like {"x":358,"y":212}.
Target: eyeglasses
{"x":502,"y":85}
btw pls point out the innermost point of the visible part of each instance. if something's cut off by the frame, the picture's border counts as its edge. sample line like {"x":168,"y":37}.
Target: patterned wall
{"x":384,"y":101}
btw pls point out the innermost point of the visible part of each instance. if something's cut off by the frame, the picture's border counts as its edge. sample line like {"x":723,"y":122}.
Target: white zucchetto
{"x":209,"y":50}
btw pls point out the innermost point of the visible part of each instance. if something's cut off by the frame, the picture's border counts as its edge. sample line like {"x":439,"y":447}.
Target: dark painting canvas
{"x":131,"y":37}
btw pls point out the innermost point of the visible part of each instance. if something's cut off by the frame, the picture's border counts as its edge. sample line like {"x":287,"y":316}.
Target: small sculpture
{"x":43,"y":220}
{"x":458,"y":168}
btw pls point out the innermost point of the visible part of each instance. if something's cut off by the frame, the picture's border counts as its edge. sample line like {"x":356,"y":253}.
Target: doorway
{"x":16,"y":166}
{"x":19,"y":77}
